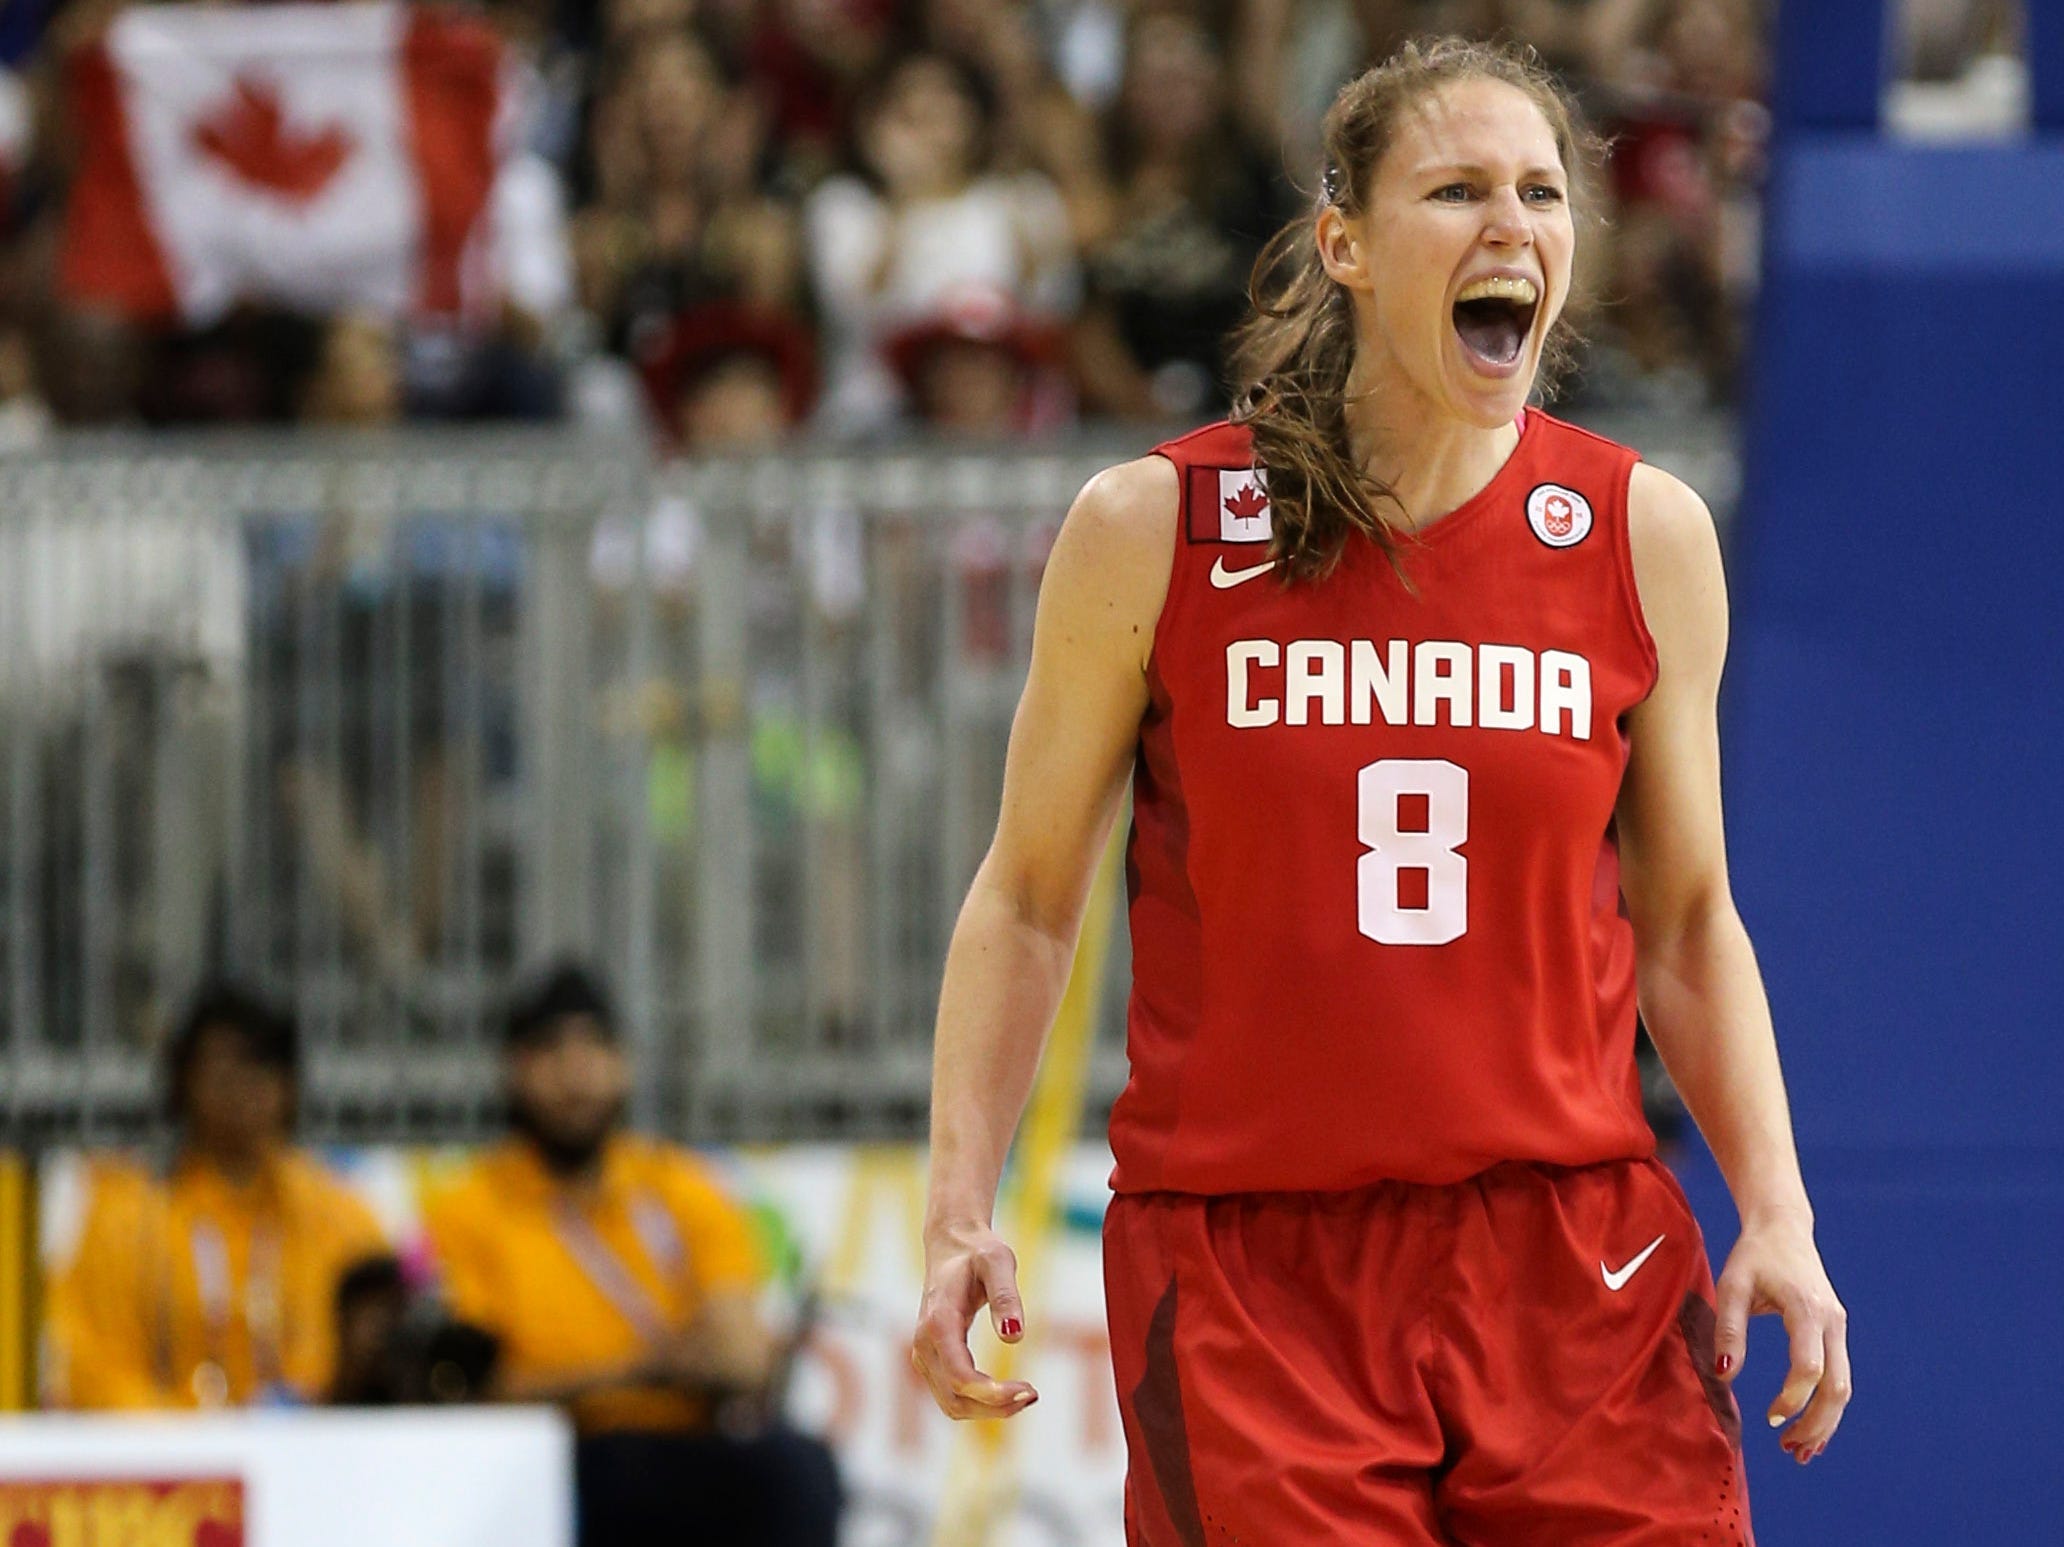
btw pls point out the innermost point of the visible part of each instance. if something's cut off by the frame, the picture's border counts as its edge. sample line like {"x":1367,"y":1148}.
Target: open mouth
{"x":1494,"y":316}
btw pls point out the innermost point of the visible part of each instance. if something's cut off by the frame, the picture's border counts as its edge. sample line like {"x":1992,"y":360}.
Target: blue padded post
{"x":2046,"y":62}
{"x":1895,"y":751}
{"x":1830,"y":63}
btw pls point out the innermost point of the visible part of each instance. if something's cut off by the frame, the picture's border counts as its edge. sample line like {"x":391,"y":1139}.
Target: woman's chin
{"x":1487,"y":405}
{"x":1486,"y":393}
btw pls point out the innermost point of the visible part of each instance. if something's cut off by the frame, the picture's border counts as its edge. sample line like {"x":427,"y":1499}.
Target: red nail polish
{"x":1012,"y":1326}
{"x":1726,"y":1363}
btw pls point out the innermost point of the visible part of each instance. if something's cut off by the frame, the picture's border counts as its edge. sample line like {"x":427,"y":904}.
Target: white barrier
{"x":483,"y":1478}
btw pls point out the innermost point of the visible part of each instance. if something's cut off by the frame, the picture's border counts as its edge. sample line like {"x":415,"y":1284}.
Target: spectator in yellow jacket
{"x":209,"y":1280}
{"x":619,"y":1280}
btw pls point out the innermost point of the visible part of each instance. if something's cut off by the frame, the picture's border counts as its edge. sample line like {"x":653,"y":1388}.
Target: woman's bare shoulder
{"x":1110,"y":565}
{"x":1132,"y":503}
{"x":1677,"y":571}
{"x":1665,"y":514}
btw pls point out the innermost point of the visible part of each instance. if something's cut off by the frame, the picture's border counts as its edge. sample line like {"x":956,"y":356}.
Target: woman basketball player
{"x":1416,"y":689}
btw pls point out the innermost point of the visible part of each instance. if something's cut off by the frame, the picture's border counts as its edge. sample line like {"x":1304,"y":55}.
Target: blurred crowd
{"x":725,"y":220}
{"x":575,"y":1263}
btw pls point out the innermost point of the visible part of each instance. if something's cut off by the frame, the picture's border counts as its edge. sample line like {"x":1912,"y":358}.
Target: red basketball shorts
{"x":1524,"y":1359}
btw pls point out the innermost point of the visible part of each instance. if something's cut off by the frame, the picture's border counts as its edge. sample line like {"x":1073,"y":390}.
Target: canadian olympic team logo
{"x":1560,"y":517}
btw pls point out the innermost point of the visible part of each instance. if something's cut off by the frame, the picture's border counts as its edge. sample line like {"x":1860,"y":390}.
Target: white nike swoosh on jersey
{"x":1617,"y":1281}
{"x":1225,"y":579}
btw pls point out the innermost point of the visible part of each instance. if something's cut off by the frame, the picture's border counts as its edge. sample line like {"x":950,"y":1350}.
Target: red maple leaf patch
{"x":249,"y":134}
{"x":1248,"y":503}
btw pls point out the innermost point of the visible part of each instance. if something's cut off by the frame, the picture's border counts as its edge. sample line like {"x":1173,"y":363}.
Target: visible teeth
{"x":1500,"y":287}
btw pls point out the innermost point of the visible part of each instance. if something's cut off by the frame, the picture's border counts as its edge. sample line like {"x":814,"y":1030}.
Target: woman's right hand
{"x":968,"y":1266}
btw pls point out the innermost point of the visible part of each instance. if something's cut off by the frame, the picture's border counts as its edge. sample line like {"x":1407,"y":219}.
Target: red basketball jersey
{"x":1375,"y":904}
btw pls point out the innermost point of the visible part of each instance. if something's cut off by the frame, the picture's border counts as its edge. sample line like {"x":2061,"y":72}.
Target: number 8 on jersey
{"x":1426,"y":848}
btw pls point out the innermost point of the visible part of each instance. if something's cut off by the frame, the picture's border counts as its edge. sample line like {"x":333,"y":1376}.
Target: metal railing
{"x":380,"y":724}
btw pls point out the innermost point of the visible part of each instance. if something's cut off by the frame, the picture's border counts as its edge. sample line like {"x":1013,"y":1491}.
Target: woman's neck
{"x":933,"y":188}
{"x":1433,"y":462}
{"x":239,"y":1164}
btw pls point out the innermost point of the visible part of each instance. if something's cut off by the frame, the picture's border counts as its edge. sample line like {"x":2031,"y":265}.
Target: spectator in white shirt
{"x":930,"y":219}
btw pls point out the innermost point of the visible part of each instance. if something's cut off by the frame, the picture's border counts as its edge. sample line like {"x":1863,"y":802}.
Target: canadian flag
{"x":321,"y":156}
{"x":1243,"y":508}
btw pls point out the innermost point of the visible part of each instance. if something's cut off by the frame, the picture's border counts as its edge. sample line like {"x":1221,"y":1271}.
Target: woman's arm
{"x":1071,"y":750}
{"x":1701,"y":994}
{"x":564,"y":1387}
{"x":102,"y":1306}
{"x":725,"y":1350}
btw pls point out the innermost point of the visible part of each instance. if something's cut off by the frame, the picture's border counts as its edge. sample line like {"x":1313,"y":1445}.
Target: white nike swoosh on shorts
{"x":1618,"y":1281}
{"x":1225,"y":579}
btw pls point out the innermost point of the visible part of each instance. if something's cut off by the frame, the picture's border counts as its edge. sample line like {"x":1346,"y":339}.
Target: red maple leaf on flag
{"x":1248,"y":503}
{"x":249,"y":135}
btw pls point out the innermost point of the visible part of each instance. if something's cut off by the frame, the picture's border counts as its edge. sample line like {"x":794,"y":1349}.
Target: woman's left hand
{"x":1775,"y":1267}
